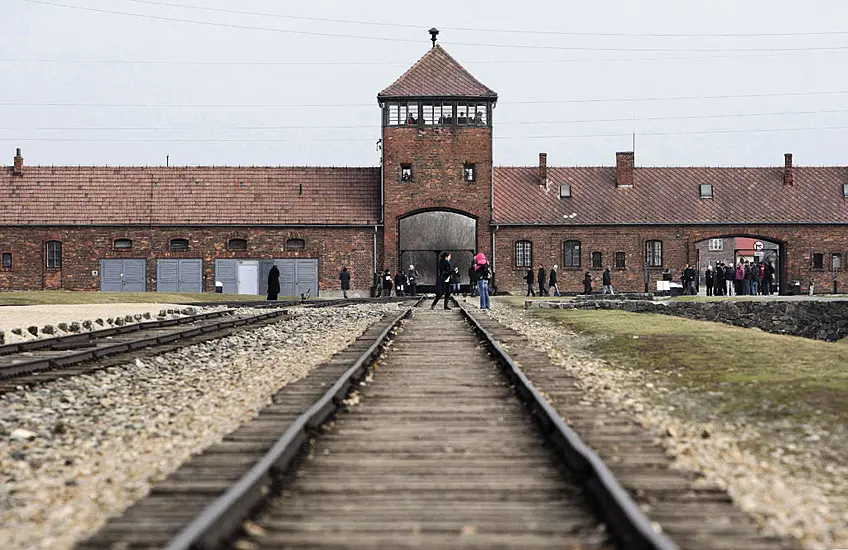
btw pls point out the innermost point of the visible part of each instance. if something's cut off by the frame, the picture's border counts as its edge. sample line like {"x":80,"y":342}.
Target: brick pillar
{"x":788,"y":172}
{"x":543,"y":170}
{"x":18,"y":168}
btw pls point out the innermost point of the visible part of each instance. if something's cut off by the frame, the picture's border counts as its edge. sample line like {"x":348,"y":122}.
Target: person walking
{"x":552,"y":281}
{"x":709,"y":276}
{"x":587,"y":283}
{"x":482,"y":276}
{"x":400,"y":283}
{"x":344,"y":277}
{"x":412,"y":278}
{"x":273,"y":283}
{"x":387,"y":283}
{"x":542,"y":278}
{"x":529,"y":278}
{"x":607,"y":282}
{"x":443,"y":280}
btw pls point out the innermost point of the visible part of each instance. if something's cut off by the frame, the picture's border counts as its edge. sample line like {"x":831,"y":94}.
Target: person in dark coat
{"x":709,"y":276}
{"x":344,"y":277}
{"x":552,"y":281}
{"x":472,"y":280}
{"x":443,"y":280}
{"x":273,"y":283}
{"x":529,"y":278}
{"x":730,"y":279}
{"x":412,"y":279}
{"x":400,"y":284}
{"x":387,"y":283}
{"x":587,"y":283}
{"x":606,"y":281}
{"x":542,"y":278}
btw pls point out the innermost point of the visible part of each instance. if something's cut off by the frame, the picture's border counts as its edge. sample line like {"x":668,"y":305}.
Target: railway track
{"x":448,"y":446}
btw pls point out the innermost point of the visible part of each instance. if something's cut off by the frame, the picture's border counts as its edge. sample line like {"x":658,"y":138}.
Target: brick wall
{"x":679,"y":248}
{"x":437,"y":156}
{"x":83,"y":248}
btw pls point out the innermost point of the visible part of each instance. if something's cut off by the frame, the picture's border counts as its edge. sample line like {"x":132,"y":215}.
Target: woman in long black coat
{"x":273,"y":283}
{"x":443,"y":280}
{"x":344,"y":277}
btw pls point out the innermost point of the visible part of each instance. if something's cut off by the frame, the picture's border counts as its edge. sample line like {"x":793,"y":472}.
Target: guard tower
{"x":437,"y":165}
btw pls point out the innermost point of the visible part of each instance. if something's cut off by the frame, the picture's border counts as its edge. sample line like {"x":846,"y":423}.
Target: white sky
{"x":254,"y":75}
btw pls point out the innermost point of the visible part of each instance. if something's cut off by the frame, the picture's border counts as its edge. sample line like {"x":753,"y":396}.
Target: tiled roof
{"x":189,"y":195}
{"x":671,"y":195}
{"x":437,"y":74}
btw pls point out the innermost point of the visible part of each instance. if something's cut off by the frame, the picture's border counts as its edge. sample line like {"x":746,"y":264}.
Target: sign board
{"x":758,"y":245}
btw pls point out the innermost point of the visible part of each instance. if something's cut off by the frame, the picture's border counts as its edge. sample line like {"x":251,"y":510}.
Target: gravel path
{"x":802,"y":496}
{"x":75,"y":451}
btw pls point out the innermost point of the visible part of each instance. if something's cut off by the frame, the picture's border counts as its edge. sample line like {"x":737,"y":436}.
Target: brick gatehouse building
{"x":184,"y":228}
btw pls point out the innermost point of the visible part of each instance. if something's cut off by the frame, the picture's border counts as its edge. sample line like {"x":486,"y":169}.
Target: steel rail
{"x":222,"y":518}
{"x":629,"y":525}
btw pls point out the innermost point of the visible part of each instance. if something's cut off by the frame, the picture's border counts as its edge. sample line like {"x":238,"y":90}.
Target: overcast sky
{"x":87,"y":87}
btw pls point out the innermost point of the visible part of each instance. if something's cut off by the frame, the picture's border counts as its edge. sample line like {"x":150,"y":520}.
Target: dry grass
{"x":68,"y":297}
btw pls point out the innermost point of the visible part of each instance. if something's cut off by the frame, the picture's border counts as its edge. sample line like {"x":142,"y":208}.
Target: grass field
{"x":47,"y":297}
{"x":742,"y":370}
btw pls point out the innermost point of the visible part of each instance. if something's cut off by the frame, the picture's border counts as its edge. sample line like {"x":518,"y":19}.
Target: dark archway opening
{"x":750,"y":250}
{"x":424,"y":235}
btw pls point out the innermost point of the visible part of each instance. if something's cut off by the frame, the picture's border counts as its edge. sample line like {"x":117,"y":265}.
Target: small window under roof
{"x":845,"y":190}
{"x":565,"y":190}
{"x":122,"y":243}
{"x":706,"y":190}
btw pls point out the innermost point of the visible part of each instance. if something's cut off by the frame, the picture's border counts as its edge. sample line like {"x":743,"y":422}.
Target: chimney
{"x":624,"y":169}
{"x":788,"y":172}
{"x":18,"y":168}
{"x":543,"y":170}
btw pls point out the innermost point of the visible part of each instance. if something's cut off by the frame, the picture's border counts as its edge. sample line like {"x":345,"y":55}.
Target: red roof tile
{"x":190,"y":195}
{"x":437,"y":74}
{"x":671,"y":196}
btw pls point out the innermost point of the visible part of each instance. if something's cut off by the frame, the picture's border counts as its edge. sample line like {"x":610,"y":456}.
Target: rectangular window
{"x":429,"y":114}
{"x":565,"y":190}
{"x":445,"y":114}
{"x":54,"y":254}
{"x":845,"y":190}
{"x":653,"y":253}
{"x":7,"y":260}
{"x":597,"y":260}
{"x":818,"y":261}
{"x":571,"y":254}
{"x":405,"y":172}
{"x":469,"y":172}
{"x":706,"y":191}
{"x":836,"y":261}
{"x":716,"y":245}
{"x":620,"y":260}
{"x":523,"y":254}
{"x":478,"y":114}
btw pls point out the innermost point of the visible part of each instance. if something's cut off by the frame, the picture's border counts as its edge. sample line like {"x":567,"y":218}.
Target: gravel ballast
{"x":802,"y":495}
{"x":77,"y":450}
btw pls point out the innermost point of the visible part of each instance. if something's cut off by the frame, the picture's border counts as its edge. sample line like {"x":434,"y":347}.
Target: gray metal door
{"x":288,"y":282}
{"x":306,"y":277}
{"x":226,"y":271}
{"x":264,"y":268}
{"x":179,"y":275}
{"x":123,"y":275}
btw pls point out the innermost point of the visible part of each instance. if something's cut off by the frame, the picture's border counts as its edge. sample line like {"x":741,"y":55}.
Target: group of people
{"x":745,"y":279}
{"x":548,"y":282}
{"x":447,"y":279}
{"x":401,"y":284}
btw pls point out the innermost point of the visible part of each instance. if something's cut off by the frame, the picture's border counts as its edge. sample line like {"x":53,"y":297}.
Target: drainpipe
{"x":494,"y":268}
{"x":374,"y":254}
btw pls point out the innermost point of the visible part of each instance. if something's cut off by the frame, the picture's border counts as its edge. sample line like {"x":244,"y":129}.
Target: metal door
{"x":248,"y":277}
{"x":288,"y":282}
{"x":123,"y":275}
{"x":226,"y":271}
{"x":306,"y":275}
{"x":179,"y":275}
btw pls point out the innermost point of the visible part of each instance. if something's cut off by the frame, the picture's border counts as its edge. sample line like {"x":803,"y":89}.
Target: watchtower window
{"x":469,"y":172}
{"x":471,"y":114}
{"x":404,"y":113}
{"x":405,"y":172}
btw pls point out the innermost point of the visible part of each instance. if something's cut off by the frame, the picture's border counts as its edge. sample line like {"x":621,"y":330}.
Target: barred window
{"x":818,"y":261}
{"x":469,"y":171}
{"x":177,"y":245}
{"x":7,"y":260}
{"x":716,"y":245}
{"x":653,"y":253}
{"x":620,"y":260}
{"x":295,"y":244}
{"x":237,"y":244}
{"x":597,"y":260}
{"x":571,"y":254}
{"x":122,"y":244}
{"x":54,"y":254}
{"x":523,"y":254}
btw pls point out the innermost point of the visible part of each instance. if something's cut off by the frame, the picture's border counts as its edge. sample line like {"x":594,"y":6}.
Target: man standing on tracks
{"x":443,"y":280}
{"x":412,"y":277}
{"x":344,"y":277}
{"x":273,"y":283}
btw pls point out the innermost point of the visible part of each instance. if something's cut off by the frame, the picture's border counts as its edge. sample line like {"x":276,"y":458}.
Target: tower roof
{"x":437,"y":74}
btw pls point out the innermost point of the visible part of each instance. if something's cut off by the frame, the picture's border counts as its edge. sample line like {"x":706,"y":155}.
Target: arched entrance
{"x":732,"y":249}
{"x":423,"y":235}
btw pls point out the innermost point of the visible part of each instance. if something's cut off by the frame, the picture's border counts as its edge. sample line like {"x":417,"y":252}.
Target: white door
{"x":248,"y":278}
